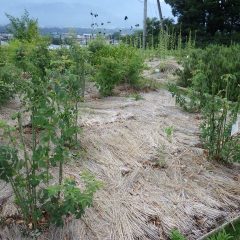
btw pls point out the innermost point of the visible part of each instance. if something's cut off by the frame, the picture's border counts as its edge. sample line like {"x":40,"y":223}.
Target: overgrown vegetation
{"x":115,"y":65}
{"x":164,"y":42}
{"x":51,"y":84}
{"x":213,"y":82}
{"x":50,"y":91}
{"x":9,"y":76}
{"x":206,"y":70}
{"x":176,"y":235}
{"x":221,"y":236}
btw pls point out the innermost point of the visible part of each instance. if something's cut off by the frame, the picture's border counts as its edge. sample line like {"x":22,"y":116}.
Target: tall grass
{"x":168,"y":43}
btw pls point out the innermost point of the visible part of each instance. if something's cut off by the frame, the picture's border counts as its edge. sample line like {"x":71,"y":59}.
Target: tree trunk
{"x":145,"y":24}
{"x":160,"y":13}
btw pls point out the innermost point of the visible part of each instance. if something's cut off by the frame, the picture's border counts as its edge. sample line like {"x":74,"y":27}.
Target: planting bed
{"x":153,"y":183}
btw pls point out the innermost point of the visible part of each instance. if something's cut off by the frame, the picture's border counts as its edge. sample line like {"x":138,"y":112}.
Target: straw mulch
{"x":153,"y":183}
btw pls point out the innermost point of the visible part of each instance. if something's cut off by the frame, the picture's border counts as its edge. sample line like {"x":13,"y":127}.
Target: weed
{"x":221,"y":236}
{"x":176,"y":235}
{"x":163,"y":67}
{"x":169,"y":132}
{"x":136,"y":96}
{"x":161,"y":157}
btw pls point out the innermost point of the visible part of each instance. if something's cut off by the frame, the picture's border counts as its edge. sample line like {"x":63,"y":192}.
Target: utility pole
{"x":160,"y":13}
{"x":145,"y":24}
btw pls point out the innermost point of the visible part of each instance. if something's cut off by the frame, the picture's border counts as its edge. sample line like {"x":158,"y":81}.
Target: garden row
{"x":210,"y":83}
{"x":50,"y":84}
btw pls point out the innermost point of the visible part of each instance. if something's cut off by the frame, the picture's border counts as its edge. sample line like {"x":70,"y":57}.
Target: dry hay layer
{"x":142,"y":199}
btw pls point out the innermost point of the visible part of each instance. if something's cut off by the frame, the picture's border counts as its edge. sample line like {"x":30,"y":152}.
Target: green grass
{"x":234,"y":230}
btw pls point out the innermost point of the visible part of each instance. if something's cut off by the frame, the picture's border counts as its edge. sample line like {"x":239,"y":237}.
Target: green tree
{"x":23,"y":28}
{"x":210,"y":17}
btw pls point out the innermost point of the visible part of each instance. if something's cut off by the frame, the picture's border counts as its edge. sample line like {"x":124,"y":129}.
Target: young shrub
{"x":72,"y":201}
{"x":96,"y":45}
{"x":9,"y":76}
{"x":212,"y":63}
{"x":23,"y":28}
{"x":8,"y":80}
{"x":27,"y":168}
{"x":161,"y":157}
{"x":219,"y":115}
{"x":52,"y":202}
{"x":96,"y":48}
{"x":189,"y":64}
{"x":169,"y":132}
{"x":109,"y":73}
{"x":117,"y":65}
{"x":134,"y":65}
{"x":80,"y":57}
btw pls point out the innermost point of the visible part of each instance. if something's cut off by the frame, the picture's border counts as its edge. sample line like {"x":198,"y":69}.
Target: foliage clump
{"x":117,"y":65}
{"x":176,"y":235}
{"x":212,"y":79}
{"x":50,"y":91}
{"x":204,"y":69}
{"x":23,"y":28}
{"x":96,"y":45}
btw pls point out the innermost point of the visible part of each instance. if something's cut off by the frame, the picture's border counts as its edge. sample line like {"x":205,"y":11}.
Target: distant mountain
{"x":57,"y":30}
{"x":50,"y":30}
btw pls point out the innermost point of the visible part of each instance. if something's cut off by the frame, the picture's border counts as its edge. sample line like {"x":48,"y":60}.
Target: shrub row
{"x":205,"y":68}
{"x":115,"y":65}
{"x":212,"y":78}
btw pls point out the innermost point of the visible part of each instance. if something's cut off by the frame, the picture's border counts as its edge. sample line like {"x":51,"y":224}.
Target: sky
{"x":76,"y":13}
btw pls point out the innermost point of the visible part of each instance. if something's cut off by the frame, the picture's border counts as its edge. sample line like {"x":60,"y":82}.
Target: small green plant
{"x":169,"y":132}
{"x":221,"y":236}
{"x":180,"y":98}
{"x":176,"y":235}
{"x":72,"y":200}
{"x":204,"y":67}
{"x":163,"y":67}
{"x":213,"y":89}
{"x":161,"y":157}
{"x":136,"y":96}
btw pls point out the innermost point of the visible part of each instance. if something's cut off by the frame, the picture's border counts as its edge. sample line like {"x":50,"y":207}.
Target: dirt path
{"x":152,"y":182}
